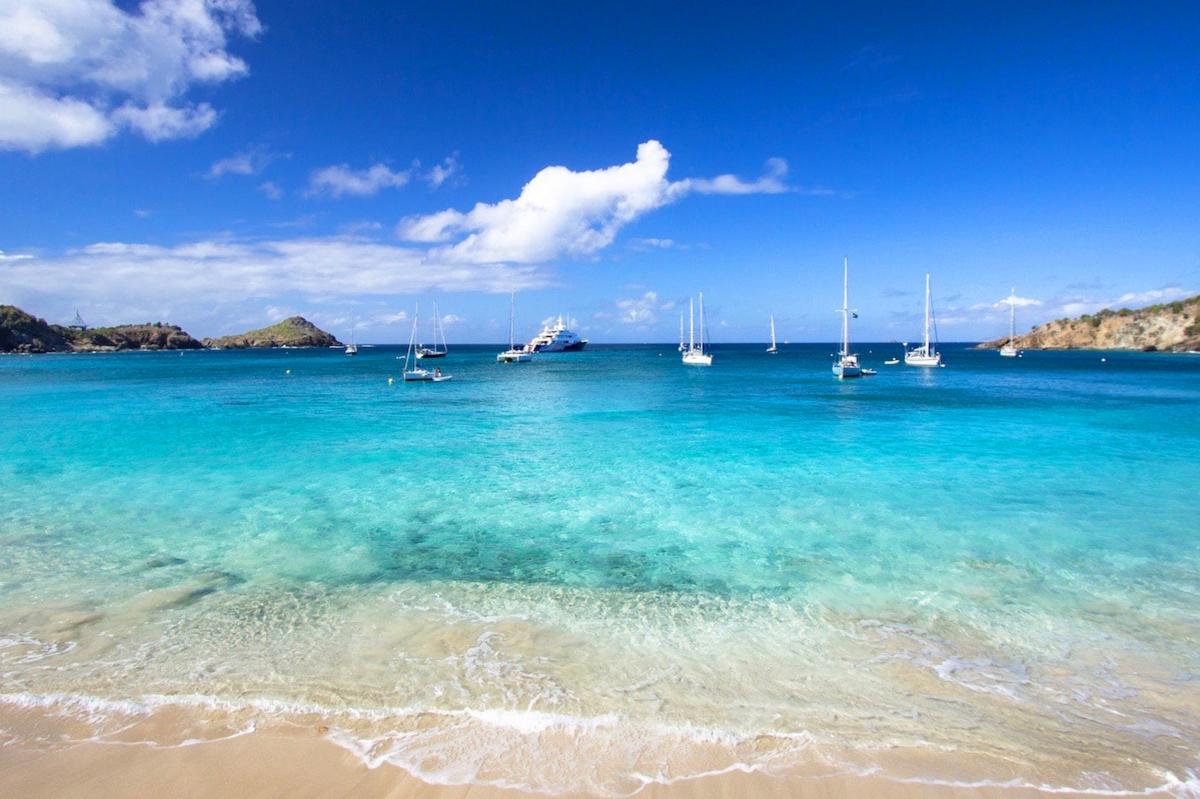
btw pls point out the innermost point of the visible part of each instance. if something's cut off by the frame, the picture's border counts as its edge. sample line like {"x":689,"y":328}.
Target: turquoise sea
{"x":606,"y":569}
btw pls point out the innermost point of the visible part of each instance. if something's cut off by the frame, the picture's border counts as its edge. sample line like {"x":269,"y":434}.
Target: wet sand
{"x":300,"y":762}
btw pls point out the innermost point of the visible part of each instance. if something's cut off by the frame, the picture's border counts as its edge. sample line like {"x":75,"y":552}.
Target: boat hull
{"x":923,"y":360}
{"x":1008,"y":352}
{"x":846,"y":372}
{"x":514,"y":357}
{"x":697,"y":359}
{"x":573,"y":347}
{"x":425,"y":355}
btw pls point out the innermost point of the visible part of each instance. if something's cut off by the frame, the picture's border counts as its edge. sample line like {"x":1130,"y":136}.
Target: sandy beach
{"x":298,"y":761}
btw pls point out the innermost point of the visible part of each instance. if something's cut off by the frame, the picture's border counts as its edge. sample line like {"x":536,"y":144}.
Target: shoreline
{"x":41,"y":756}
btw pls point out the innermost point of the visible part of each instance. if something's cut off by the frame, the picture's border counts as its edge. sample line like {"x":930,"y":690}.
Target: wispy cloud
{"x":74,"y":74}
{"x":340,"y":180}
{"x":643,"y":245}
{"x":12,"y":257}
{"x":251,"y":161}
{"x":771,"y":182}
{"x":448,"y":170}
{"x":270,"y":190}
{"x":641,"y":310}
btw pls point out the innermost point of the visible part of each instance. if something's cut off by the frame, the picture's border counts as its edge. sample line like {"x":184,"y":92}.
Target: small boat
{"x":868,"y":372}
{"x":926,"y":354}
{"x":695,"y":355}
{"x":351,"y":348}
{"x":513,"y":354}
{"x":846,"y":365}
{"x":772,"y":349}
{"x":433,"y":352}
{"x":413,"y":373}
{"x":1009,"y":350}
{"x":891,"y":362}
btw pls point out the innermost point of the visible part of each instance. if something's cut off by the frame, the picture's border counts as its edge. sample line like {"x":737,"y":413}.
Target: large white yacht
{"x":556,"y":338}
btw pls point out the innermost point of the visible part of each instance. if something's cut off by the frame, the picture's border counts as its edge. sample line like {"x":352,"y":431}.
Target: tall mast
{"x":681,"y":330}
{"x":702,"y":321}
{"x":772,"y":330}
{"x":845,"y":306}
{"x":512,"y":310}
{"x":691,"y":323}
{"x":926,"y":313}
{"x":1012,"y":315}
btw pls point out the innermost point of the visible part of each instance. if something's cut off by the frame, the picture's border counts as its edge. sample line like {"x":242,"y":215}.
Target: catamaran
{"x":512,"y":354}
{"x":1010,"y":350}
{"x":695,"y":355}
{"x":438,"y":330}
{"x":846,"y":364}
{"x":772,"y":349}
{"x":926,"y":354}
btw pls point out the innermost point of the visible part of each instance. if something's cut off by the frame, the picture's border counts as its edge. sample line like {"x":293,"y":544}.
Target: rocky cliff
{"x":1173,"y":326}
{"x":22,"y":332}
{"x":295,"y":331}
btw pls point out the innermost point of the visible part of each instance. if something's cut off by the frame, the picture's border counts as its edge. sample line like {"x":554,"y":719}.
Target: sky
{"x":221,"y":164}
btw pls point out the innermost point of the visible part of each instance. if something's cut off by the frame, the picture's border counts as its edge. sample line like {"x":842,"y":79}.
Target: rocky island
{"x":295,"y":331}
{"x":23,"y":332}
{"x":1169,"y":327}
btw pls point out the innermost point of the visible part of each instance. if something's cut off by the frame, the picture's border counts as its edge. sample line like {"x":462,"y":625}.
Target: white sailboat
{"x":846,"y":365}
{"x":695,"y":355}
{"x":352,"y":348}
{"x":772,"y":349}
{"x":438,"y":331}
{"x":413,"y":373}
{"x":926,"y":354}
{"x":512,"y":354}
{"x":1010,"y":350}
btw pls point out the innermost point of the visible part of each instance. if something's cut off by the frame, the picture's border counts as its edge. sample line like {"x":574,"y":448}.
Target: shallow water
{"x":610,"y":555}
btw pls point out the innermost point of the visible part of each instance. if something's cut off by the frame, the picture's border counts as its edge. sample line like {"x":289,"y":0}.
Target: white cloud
{"x":564,"y":212}
{"x":771,"y":182}
{"x":448,"y":169}
{"x":558,"y":211}
{"x":206,"y":273}
{"x":270,"y":189}
{"x":1020,"y":302}
{"x":339,"y":180}
{"x":74,"y":72}
{"x":16,"y":256}
{"x":1154,"y":296}
{"x":640,"y":310}
{"x":452,"y":319}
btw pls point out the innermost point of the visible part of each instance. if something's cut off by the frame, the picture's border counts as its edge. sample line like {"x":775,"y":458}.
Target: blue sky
{"x":220,"y":164}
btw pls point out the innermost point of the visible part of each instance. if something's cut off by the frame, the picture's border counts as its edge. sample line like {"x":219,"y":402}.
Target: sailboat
{"x":1010,"y":350}
{"x":846,"y":364}
{"x":412,"y":372}
{"x":352,"y":348}
{"x":926,"y":354}
{"x":512,"y":354}
{"x":772,"y":349}
{"x":695,"y":355}
{"x":438,"y":330}
{"x":681,"y":347}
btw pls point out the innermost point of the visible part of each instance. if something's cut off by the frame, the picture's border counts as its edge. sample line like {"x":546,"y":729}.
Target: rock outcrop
{"x":22,"y":332}
{"x":1169,"y":327}
{"x":295,"y":331}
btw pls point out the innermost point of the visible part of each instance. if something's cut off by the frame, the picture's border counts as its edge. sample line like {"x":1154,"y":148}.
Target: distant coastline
{"x":24,"y":333}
